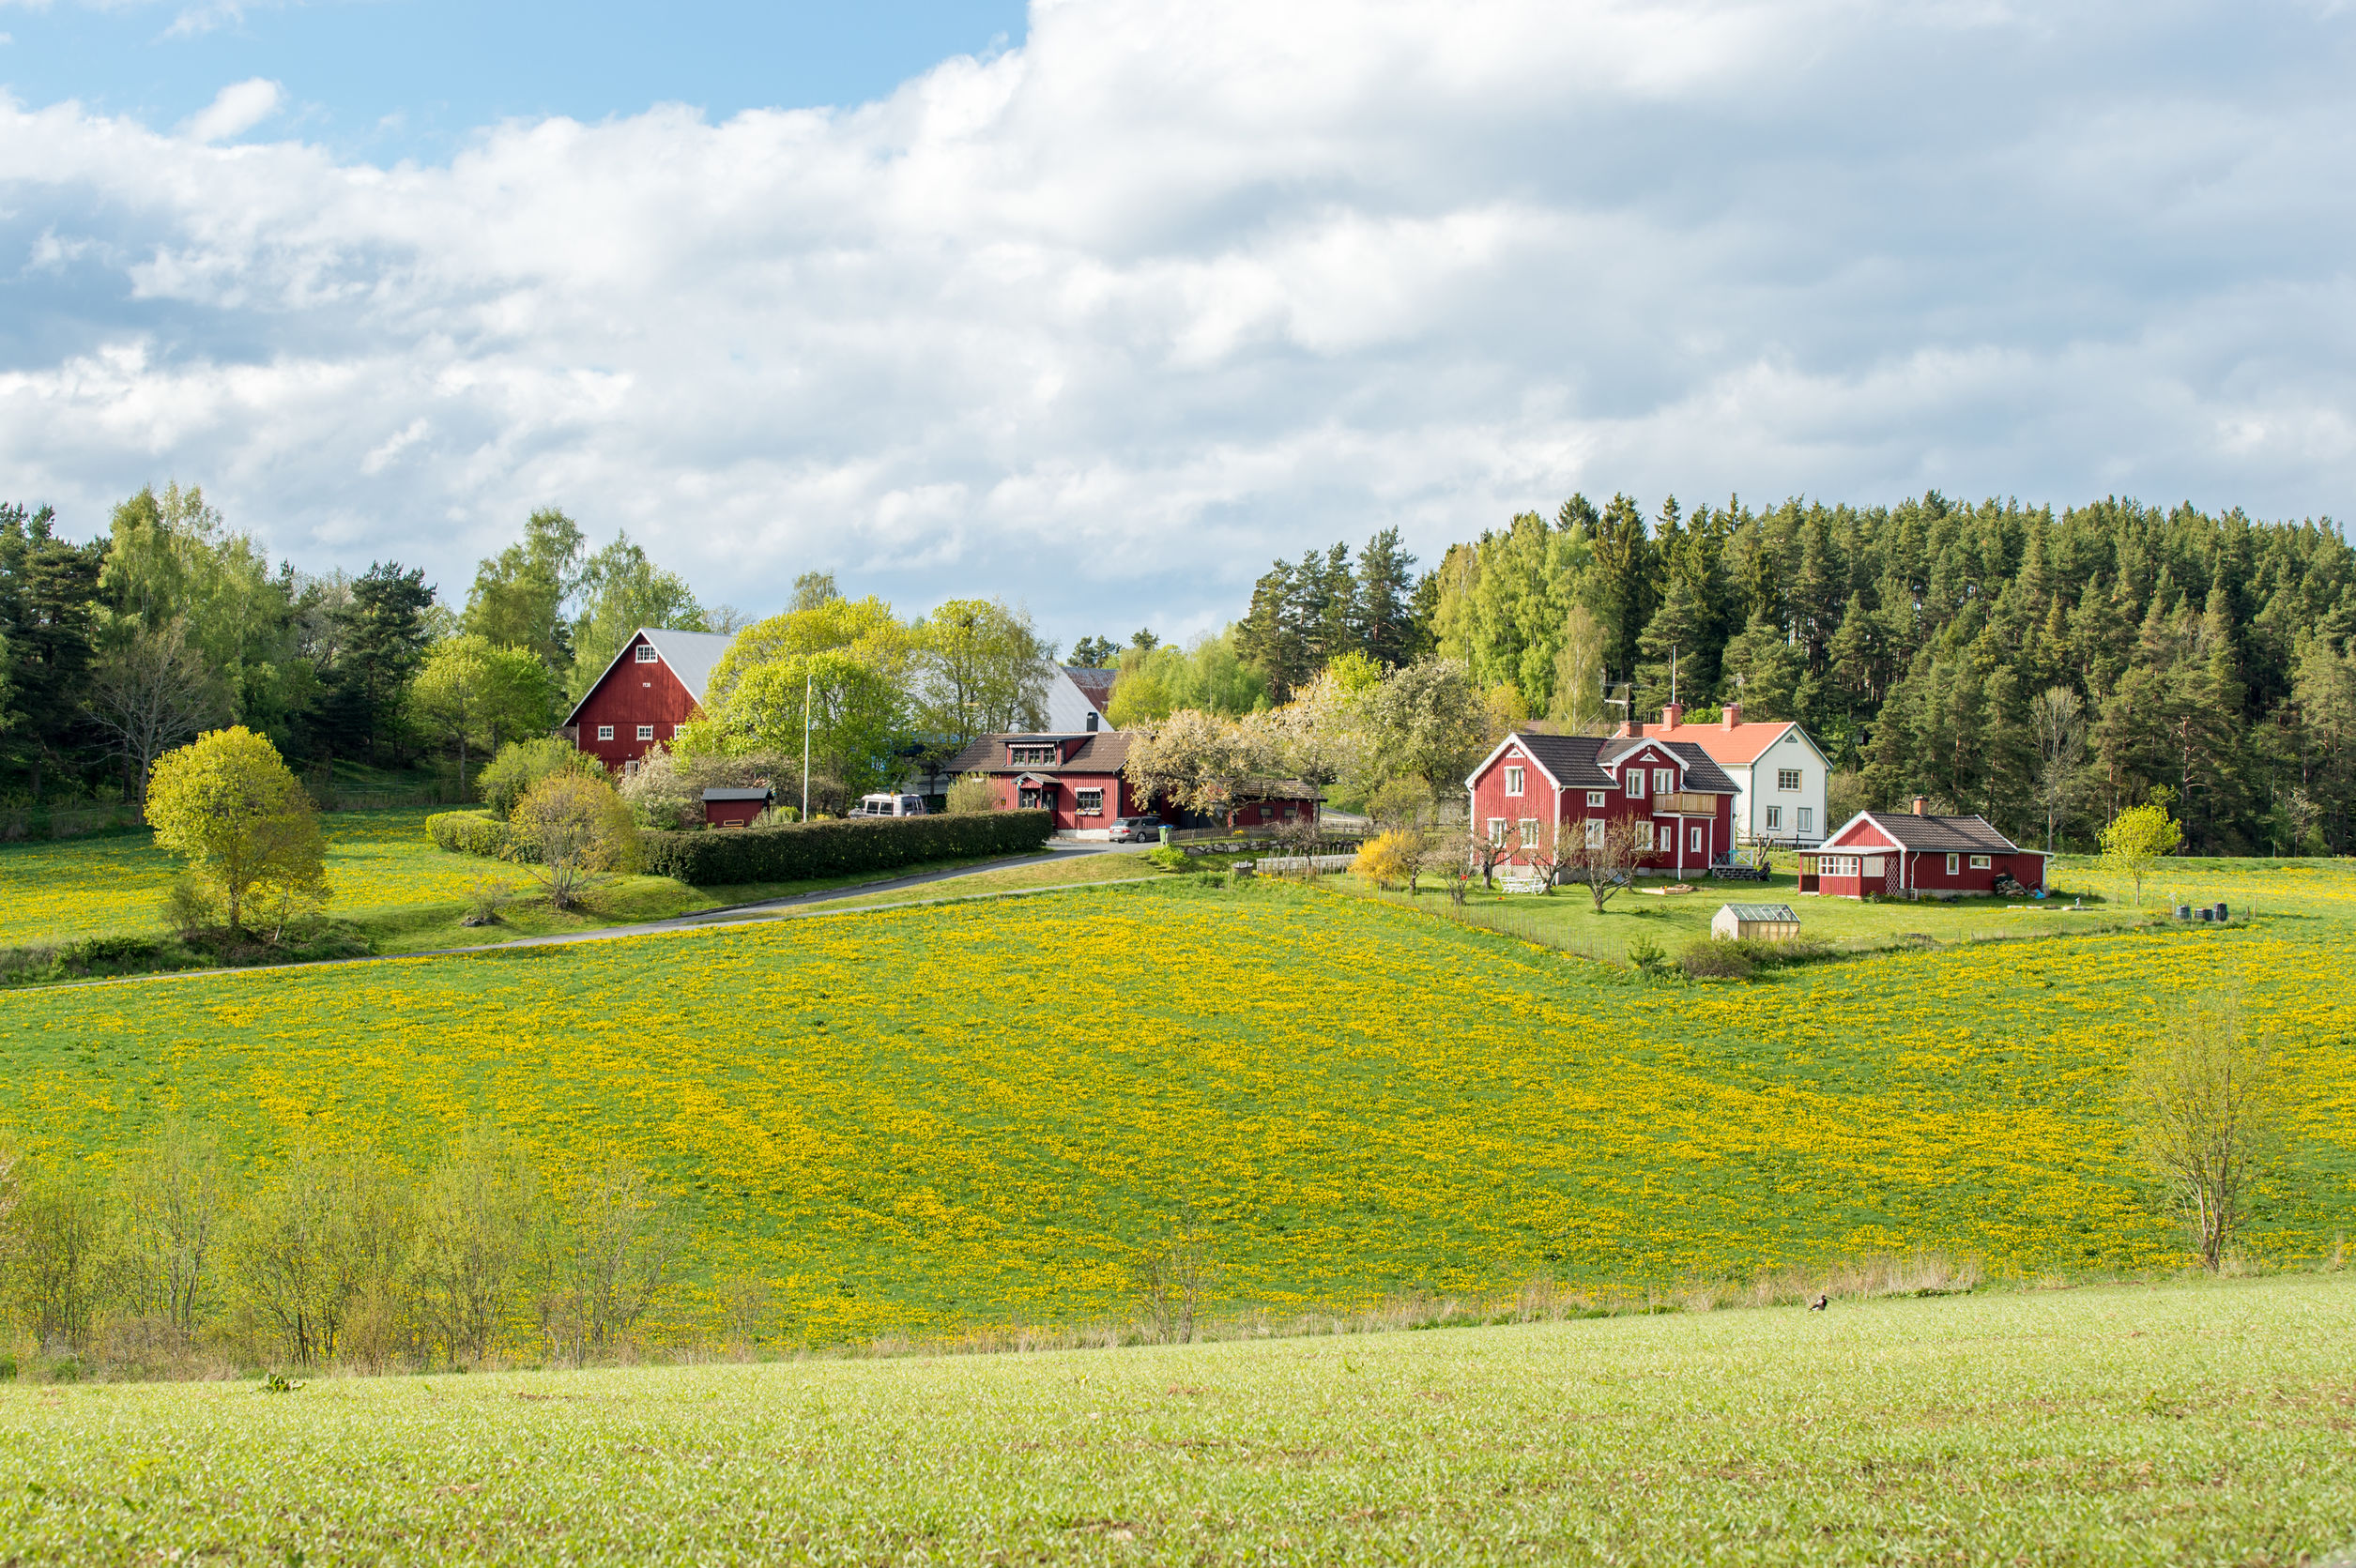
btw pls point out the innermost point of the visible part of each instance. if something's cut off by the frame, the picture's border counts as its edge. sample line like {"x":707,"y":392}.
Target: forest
{"x":2046,"y":669}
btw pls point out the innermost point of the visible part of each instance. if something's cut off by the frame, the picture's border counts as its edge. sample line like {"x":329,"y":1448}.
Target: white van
{"x":890,"y":805}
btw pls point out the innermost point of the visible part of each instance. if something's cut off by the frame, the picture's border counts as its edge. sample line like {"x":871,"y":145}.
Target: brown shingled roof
{"x":1103,"y":752}
{"x":1935,"y":834}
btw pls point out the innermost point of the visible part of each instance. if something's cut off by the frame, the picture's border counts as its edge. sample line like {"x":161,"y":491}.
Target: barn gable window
{"x":1513,"y":781}
{"x":647,"y":654}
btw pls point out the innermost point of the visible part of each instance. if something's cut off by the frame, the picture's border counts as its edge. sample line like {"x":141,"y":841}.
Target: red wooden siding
{"x":1539,"y":801}
{"x":633,"y":694}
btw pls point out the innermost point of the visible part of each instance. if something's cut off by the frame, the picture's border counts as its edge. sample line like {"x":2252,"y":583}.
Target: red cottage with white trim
{"x":1918,"y":856}
{"x":1676,"y":794}
{"x":652,"y":689}
{"x":1077,"y":777}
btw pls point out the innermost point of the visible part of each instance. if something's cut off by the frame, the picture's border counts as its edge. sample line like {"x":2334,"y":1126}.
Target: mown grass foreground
{"x":2185,"y":1424}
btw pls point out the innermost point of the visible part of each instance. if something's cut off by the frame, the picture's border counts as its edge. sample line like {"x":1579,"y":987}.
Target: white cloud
{"x":1106,"y":321}
{"x":236,"y":110}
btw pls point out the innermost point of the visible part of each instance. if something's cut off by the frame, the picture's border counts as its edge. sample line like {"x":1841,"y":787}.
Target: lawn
{"x":912,"y":1120}
{"x":1567,"y":918}
{"x":2200,"y":1423}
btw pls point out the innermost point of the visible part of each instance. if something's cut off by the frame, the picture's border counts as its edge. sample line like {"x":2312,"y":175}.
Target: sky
{"x":1099,"y":307}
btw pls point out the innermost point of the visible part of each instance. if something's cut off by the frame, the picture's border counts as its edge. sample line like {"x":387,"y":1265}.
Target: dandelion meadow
{"x":910,"y":1120}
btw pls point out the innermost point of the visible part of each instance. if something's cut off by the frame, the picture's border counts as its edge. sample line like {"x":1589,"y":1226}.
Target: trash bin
{"x":2221,"y":911}
{"x":1164,"y":833}
{"x":2183,"y":912}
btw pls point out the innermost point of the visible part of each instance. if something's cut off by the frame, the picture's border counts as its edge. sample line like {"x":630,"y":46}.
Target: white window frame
{"x":1594,"y":833}
{"x":1513,"y":781}
{"x":1693,"y":840}
{"x":1774,"y":816}
{"x":1664,"y":781}
{"x":647,"y":654}
{"x":605,"y":732}
{"x":1983,"y":863}
{"x":1497,"y":825}
{"x":1528,"y":828}
{"x":1807,"y":820}
{"x":1644,"y":838}
{"x":1787,"y":778}
{"x":678,"y":730}
{"x":1594,"y":798}
{"x":1954,"y":865}
{"x":1634,"y":778}
{"x":1088,"y":802}
{"x":646,"y":732}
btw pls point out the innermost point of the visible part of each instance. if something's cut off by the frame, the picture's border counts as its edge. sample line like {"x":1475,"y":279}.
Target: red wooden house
{"x":1917,"y":855}
{"x":651,"y":690}
{"x":1680,"y":800}
{"x":1077,"y":777}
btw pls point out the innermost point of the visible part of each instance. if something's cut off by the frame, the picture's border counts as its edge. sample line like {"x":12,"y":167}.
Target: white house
{"x":1077,"y":699}
{"x":1779,"y":774}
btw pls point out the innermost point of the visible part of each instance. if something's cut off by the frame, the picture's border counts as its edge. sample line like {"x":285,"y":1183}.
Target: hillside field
{"x":2193,"y":1423}
{"x":913,"y":1120}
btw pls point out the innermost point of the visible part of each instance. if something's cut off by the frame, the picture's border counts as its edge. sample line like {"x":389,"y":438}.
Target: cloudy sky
{"x":1101,"y":306}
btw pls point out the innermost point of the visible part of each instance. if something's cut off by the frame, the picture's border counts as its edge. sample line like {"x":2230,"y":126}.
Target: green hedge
{"x":799,"y":851}
{"x":468,"y":834}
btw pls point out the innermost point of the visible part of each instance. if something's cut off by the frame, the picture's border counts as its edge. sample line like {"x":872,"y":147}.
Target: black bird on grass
{"x":1820,"y":1303}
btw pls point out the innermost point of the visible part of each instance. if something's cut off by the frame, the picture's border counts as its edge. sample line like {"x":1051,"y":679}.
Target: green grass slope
{"x":2192,"y":1424}
{"x":916,"y":1120}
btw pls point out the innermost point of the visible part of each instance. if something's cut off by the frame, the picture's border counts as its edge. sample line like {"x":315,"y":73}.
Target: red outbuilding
{"x":1079,"y":778}
{"x":1915,"y":855}
{"x":1680,"y":799}
{"x":647,"y":694}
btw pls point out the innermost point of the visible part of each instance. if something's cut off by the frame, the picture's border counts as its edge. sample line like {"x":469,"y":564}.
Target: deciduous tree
{"x":228,"y":805}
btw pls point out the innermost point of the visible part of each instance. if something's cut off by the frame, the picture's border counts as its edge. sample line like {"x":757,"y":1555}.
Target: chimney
{"x":1631,"y":729}
{"x":1672,"y":715}
{"x":1922,"y":807}
{"x":1730,"y":715}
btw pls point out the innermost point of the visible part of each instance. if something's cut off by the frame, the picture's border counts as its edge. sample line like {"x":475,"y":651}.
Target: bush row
{"x":810,"y":849}
{"x":468,"y":834}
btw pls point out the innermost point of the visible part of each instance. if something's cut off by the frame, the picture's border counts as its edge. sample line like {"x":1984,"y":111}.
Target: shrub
{"x":521,"y":764}
{"x":229,"y":806}
{"x":810,"y":849}
{"x":1709,"y":959}
{"x":1170,"y":857}
{"x":486,"y":898}
{"x":469,"y":833}
{"x":1393,"y":857}
{"x":188,"y":905}
{"x":1647,"y":954}
{"x":575,"y":833}
{"x":973,"y":794}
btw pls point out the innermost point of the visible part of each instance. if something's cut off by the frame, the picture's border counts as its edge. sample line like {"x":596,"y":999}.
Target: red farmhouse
{"x":652,"y":689}
{"x":1680,"y":799}
{"x":1077,"y":777}
{"x":1918,"y":856}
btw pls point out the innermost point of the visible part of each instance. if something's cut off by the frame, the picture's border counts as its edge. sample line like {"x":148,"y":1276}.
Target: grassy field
{"x":2190,"y":1425}
{"x":910,"y":1122}
{"x":1567,"y":918}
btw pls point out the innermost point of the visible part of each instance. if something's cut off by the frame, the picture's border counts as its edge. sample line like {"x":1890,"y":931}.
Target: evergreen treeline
{"x":2043,"y":668}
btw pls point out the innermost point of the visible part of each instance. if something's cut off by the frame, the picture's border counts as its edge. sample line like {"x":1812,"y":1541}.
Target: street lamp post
{"x":808,"y":675}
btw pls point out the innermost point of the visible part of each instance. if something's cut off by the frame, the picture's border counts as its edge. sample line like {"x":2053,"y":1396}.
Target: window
{"x":1018,"y":756}
{"x":1980,"y":862}
{"x":1529,"y":829}
{"x":1838,"y":865}
{"x":1595,"y":799}
{"x":678,"y":730}
{"x":646,"y":732}
{"x":1954,"y":864}
{"x":1513,"y":781}
{"x":1807,"y":819}
{"x":1694,"y":840}
{"x":647,"y":654}
{"x":1089,"y":802}
{"x":1663,"y":781}
{"x":605,"y":732}
{"x":1643,"y":835}
{"x":1496,"y":830}
{"x":1594,"y":833}
{"x":1635,"y":779}
{"x":1774,"y":817}
{"x":1787,"y":778}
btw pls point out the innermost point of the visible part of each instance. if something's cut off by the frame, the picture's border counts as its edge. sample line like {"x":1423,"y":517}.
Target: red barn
{"x":1681,"y":801}
{"x":1918,"y":856}
{"x":652,"y":688}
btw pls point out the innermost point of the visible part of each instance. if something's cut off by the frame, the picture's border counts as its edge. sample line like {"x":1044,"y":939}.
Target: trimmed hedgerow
{"x":796,"y":852}
{"x":468,"y":834}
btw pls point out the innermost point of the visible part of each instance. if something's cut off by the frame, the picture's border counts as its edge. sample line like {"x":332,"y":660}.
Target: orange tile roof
{"x":1741,"y":744}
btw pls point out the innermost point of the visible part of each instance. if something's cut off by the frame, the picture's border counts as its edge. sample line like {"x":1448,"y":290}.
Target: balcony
{"x":1677,"y":804}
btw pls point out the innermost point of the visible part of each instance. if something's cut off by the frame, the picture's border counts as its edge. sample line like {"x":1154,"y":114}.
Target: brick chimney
{"x":1631,"y":729}
{"x":1672,"y":715}
{"x":1922,"y":807}
{"x":1730,"y":715}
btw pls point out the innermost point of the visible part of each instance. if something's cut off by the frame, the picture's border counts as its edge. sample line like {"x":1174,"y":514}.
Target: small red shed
{"x":736,"y":808}
{"x":1917,"y":855}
